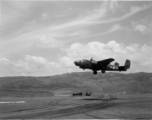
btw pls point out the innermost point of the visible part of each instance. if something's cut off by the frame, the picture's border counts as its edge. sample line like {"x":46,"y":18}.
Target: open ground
{"x":128,"y":106}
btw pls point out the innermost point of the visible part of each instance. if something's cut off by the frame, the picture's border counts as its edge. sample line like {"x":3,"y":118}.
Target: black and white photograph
{"x":75,"y":59}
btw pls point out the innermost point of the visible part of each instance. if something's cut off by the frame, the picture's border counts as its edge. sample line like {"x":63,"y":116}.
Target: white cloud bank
{"x":140,"y":57}
{"x":30,"y":65}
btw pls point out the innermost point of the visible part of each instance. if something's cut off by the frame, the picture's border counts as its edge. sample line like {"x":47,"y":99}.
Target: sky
{"x":44,"y":38}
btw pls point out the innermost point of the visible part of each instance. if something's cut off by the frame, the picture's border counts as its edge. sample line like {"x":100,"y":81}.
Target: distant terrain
{"x":133,"y":83}
{"x":51,"y":97}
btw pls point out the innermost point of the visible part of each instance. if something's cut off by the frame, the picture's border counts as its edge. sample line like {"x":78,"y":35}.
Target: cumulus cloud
{"x":141,"y":28}
{"x":96,"y":49}
{"x":29,"y":66}
{"x":140,"y":56}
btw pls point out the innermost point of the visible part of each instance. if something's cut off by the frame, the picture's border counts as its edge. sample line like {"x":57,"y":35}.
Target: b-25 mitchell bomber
{"x":103,"y":65}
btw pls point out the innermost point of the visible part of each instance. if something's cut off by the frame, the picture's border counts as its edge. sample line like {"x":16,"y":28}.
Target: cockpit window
{"x":83,"y":60}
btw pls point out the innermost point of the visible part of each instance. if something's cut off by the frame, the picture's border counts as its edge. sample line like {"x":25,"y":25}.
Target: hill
{"x":80,"y":81}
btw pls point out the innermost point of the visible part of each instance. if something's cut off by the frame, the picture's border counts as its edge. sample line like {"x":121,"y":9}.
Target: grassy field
{"x":129,"y":106}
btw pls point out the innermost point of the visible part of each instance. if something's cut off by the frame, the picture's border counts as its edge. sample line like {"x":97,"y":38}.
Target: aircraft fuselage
{"x":93,"y":65}
{"x":103,"y":65}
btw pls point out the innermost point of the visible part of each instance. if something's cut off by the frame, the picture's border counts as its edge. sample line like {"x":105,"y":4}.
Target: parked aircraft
{"x":103,"y":65}
{"x":78,"y":94}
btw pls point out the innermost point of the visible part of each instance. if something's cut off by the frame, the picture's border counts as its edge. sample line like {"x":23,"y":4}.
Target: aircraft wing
{"x":105,"y":62}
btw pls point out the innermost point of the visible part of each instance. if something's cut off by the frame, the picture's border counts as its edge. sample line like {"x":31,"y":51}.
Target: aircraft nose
{"x":76,"y":63}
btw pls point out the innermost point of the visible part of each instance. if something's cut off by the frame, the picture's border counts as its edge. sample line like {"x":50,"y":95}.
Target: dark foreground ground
{"x":130,"y":106}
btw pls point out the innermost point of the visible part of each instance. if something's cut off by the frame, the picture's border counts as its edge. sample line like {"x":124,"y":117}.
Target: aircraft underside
{"x":107,"y":68}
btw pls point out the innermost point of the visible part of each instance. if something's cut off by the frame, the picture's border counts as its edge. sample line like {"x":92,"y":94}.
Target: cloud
{"x":30,"y":27}
{"x":29,"y":66}
{"x":141,"y":28}
{"x":45,"y":16}
{"x":74,"y":27}
{"x":97,"y":17}
{"x":14,"y":15}
{"x":140,"y":56}
{"x":133,"y":10}
{"x":93,"y":49}
{"x":47,"y":41}
{"x":24,"y":15}
{"x":116,"y":27}
{"x":113,"y":5}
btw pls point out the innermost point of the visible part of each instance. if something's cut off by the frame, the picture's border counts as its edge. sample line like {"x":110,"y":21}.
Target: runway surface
{"x":121,"y":107}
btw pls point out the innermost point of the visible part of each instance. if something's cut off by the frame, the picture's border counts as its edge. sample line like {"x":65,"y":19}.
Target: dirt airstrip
{"x":69,"y":107}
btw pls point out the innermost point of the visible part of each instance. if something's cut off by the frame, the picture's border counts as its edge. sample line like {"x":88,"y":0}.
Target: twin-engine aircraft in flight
{"x":103,"y":65}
